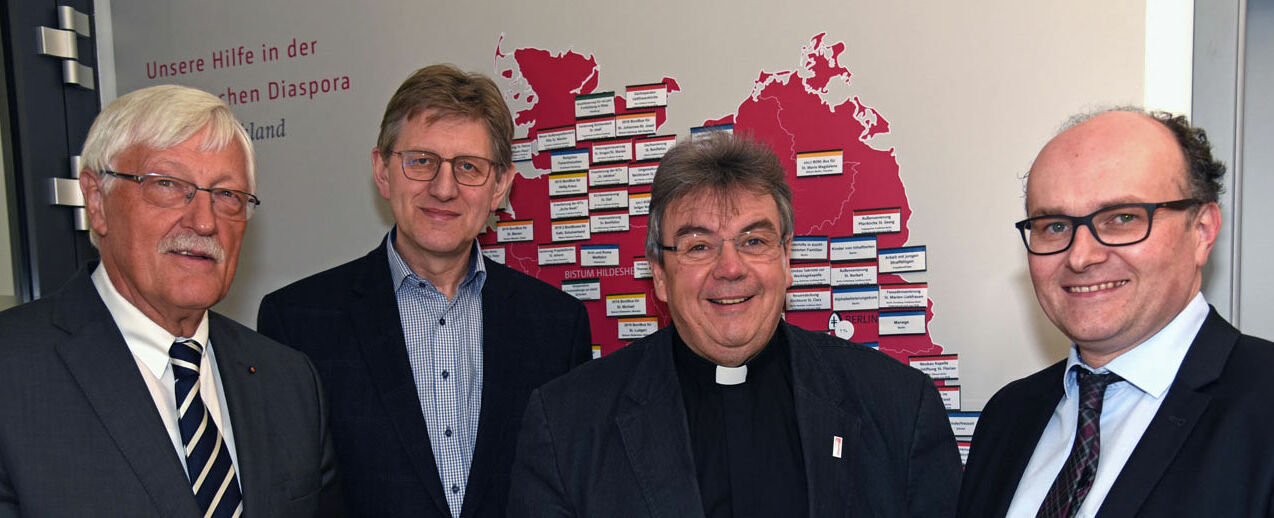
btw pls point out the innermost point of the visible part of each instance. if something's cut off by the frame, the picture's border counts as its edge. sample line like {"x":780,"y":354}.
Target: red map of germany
{"x":786,"y":110}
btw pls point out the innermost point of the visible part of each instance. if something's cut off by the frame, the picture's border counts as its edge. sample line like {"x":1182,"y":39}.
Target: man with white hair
{"x":121,"y":394}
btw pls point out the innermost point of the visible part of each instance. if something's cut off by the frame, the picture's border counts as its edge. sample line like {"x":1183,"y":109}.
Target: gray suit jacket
{"x":80,"y":435}
{"x":610,"y":437}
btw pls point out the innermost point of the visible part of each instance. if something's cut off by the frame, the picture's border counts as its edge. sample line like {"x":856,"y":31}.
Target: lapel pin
{"x":836,"y":446}
{"x":252,"y":369}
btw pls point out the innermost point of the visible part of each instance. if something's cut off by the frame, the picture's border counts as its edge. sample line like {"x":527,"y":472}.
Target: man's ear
{"x":503,"y":184}
{"x":661,"y":280}
{"x":380,"y":173}
{"x":94,"y":201}
{"x":1205,"y":227}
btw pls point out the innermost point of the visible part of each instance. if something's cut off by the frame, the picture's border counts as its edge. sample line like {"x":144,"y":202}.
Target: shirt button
{"x":455,"y":488}
{"x":442,"y":321}
{"x":448,"y":432}
{"x":445,"y":374}
{"x":422,"y":285}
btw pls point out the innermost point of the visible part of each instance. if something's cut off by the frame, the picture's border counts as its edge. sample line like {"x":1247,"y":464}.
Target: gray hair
{"x":160,"y":117}
{"x":717,"y":163}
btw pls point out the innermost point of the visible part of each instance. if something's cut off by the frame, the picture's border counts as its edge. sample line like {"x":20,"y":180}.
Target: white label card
{"x":654,"y":148}
{"x":854,"y":274}
{"x":963,"y":423}
{"x":626,"y":304}
{"x":811,"y":275}
{"x":637,"y":328}
{"x":550,"y":255}
{"x":608,"y":199}
{"x":568,"y":208}
{"x":599,"y":255}
{"x":495,"y":253}
{"x":878,"y":221}
{"x":613,"y":151}
{"x":911,"y":295}
{"x":902,"y":323}
{"x":703,"y":131}
{"x":638,"y":203}
{"x":901,"y":260}
{"x":592,"y":105}
{"x":568,"y":184}
{"x":610,"y":222}
{"x":819,"y":163}
{"x":964,"y":447}
{"x":556,"y":138}
{"x":950,"y":396}
{"x":514,"y":231}
{"x":855,"y":299}
{"x":570,"y":230}
{"x":642,"y":174}
{"x":641,"y":268}
{"x":608,"y":175}
{"x":593,"y":129}
{"x":938,"y":366}
{"x":809,"y":300}
{"x":584,"y":289}
{"x":809,"y":248}
{"x":646,"y":96}
{"x":569,"y":160}
{"x":632,"y":124}
{"x":857,"y":248}
{"x":522,"y":149}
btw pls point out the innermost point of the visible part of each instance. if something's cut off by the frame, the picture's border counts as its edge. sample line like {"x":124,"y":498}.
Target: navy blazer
{"x":611,"y":439}
{"x":80,"y":435}
{"x":346,"y":320}
{"x":1208,"y":451}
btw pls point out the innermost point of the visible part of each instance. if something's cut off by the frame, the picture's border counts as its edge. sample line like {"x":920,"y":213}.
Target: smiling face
{"x":438,"y":219}
{"x":171,"y":263}
{"x":1109,"y":299}
{"x":727,"y":309}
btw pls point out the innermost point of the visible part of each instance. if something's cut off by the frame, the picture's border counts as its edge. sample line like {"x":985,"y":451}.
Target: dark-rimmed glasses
{"x":424,"y":166}
{"x":170,"y":192}
{"x":1117,"y":225}
{"x":695,"y":247}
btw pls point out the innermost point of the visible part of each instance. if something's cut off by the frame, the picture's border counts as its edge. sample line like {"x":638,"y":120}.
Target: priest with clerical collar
{"x":730,"y":411}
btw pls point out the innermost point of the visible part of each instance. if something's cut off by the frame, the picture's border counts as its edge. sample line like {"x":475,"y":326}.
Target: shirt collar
{"x":1152,"y":365}
{"x":399,"y":271}
{"x":148,"y":341}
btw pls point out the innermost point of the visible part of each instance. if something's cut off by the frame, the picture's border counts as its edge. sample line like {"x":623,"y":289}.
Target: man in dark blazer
{"x":730,"y":411}
{"x":96,"y":417}
{"x":1181,"y":424}
{"x":425,"y":422}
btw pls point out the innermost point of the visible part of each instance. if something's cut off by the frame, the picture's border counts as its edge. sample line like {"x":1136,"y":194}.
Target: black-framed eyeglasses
{"x":1117,"y":225}
{"x":170,"y":192}
{"x":695,"y":247}
{"x":473,"y":171}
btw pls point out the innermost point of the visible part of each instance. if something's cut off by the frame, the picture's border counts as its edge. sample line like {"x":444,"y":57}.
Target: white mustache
{"x":193,"y":244}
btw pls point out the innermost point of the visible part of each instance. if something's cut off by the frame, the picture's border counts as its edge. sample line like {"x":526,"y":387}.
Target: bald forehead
{"x":1108,"y":147}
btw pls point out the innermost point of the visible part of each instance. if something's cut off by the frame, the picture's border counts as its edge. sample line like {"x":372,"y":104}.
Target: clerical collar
{"x":701,"y":370}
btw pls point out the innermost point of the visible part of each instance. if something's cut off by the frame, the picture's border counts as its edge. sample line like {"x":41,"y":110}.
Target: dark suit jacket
{"x":80,"y":435}
{"x":610,"y":439}
{"x":346,"y":320}
{"x":1209,"y":451}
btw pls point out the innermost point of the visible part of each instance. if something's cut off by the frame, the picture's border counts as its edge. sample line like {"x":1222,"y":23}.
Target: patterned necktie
{"x":207,"y":462}
{"x":1076,"y":478}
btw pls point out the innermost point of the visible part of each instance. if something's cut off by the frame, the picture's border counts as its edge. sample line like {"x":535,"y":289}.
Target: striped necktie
{"x":1076,"y":478}
{"x":208,"y":463}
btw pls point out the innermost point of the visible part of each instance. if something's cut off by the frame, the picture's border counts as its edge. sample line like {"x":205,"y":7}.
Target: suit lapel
{"x":1176,"y":418}
{"x":1013,"y":450}
{"x":96,"y":356}
{"x":652,"y":423}
{"x":821,"y":417}
{"x":499,"y":379}
{"x":249,"y":416}
{"x":375,"y":320}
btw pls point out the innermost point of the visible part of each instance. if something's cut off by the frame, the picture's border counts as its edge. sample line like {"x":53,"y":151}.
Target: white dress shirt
{"x":1148,"y":371}
{"x":149,"y":344}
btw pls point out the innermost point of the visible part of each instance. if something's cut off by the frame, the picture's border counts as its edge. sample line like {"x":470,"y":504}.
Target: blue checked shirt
{"x":444,"y":346}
